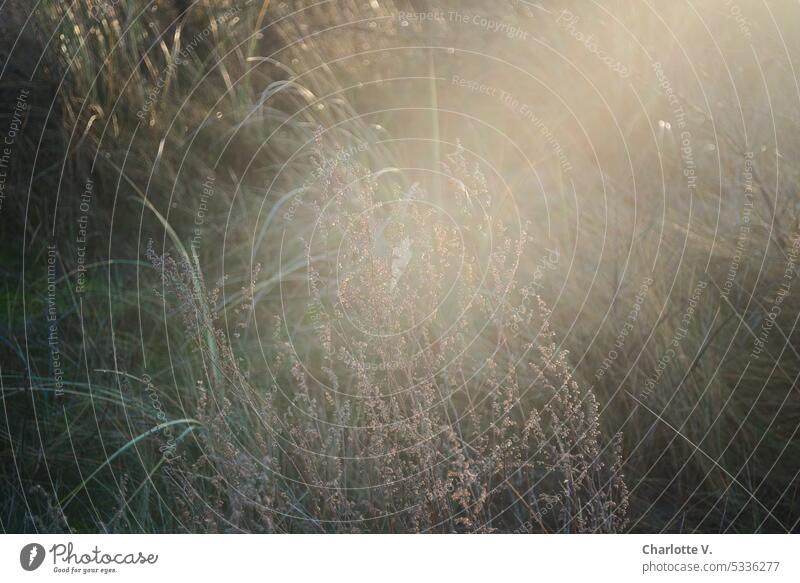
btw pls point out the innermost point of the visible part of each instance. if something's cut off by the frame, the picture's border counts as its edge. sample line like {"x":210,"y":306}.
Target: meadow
{"x":399,"y":266}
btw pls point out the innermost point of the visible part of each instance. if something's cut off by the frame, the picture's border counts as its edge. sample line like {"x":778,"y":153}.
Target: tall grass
{"x":330,"y":289}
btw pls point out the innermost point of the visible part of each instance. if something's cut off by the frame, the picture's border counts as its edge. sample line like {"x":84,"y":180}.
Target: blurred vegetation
{"x":170,"y":418}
